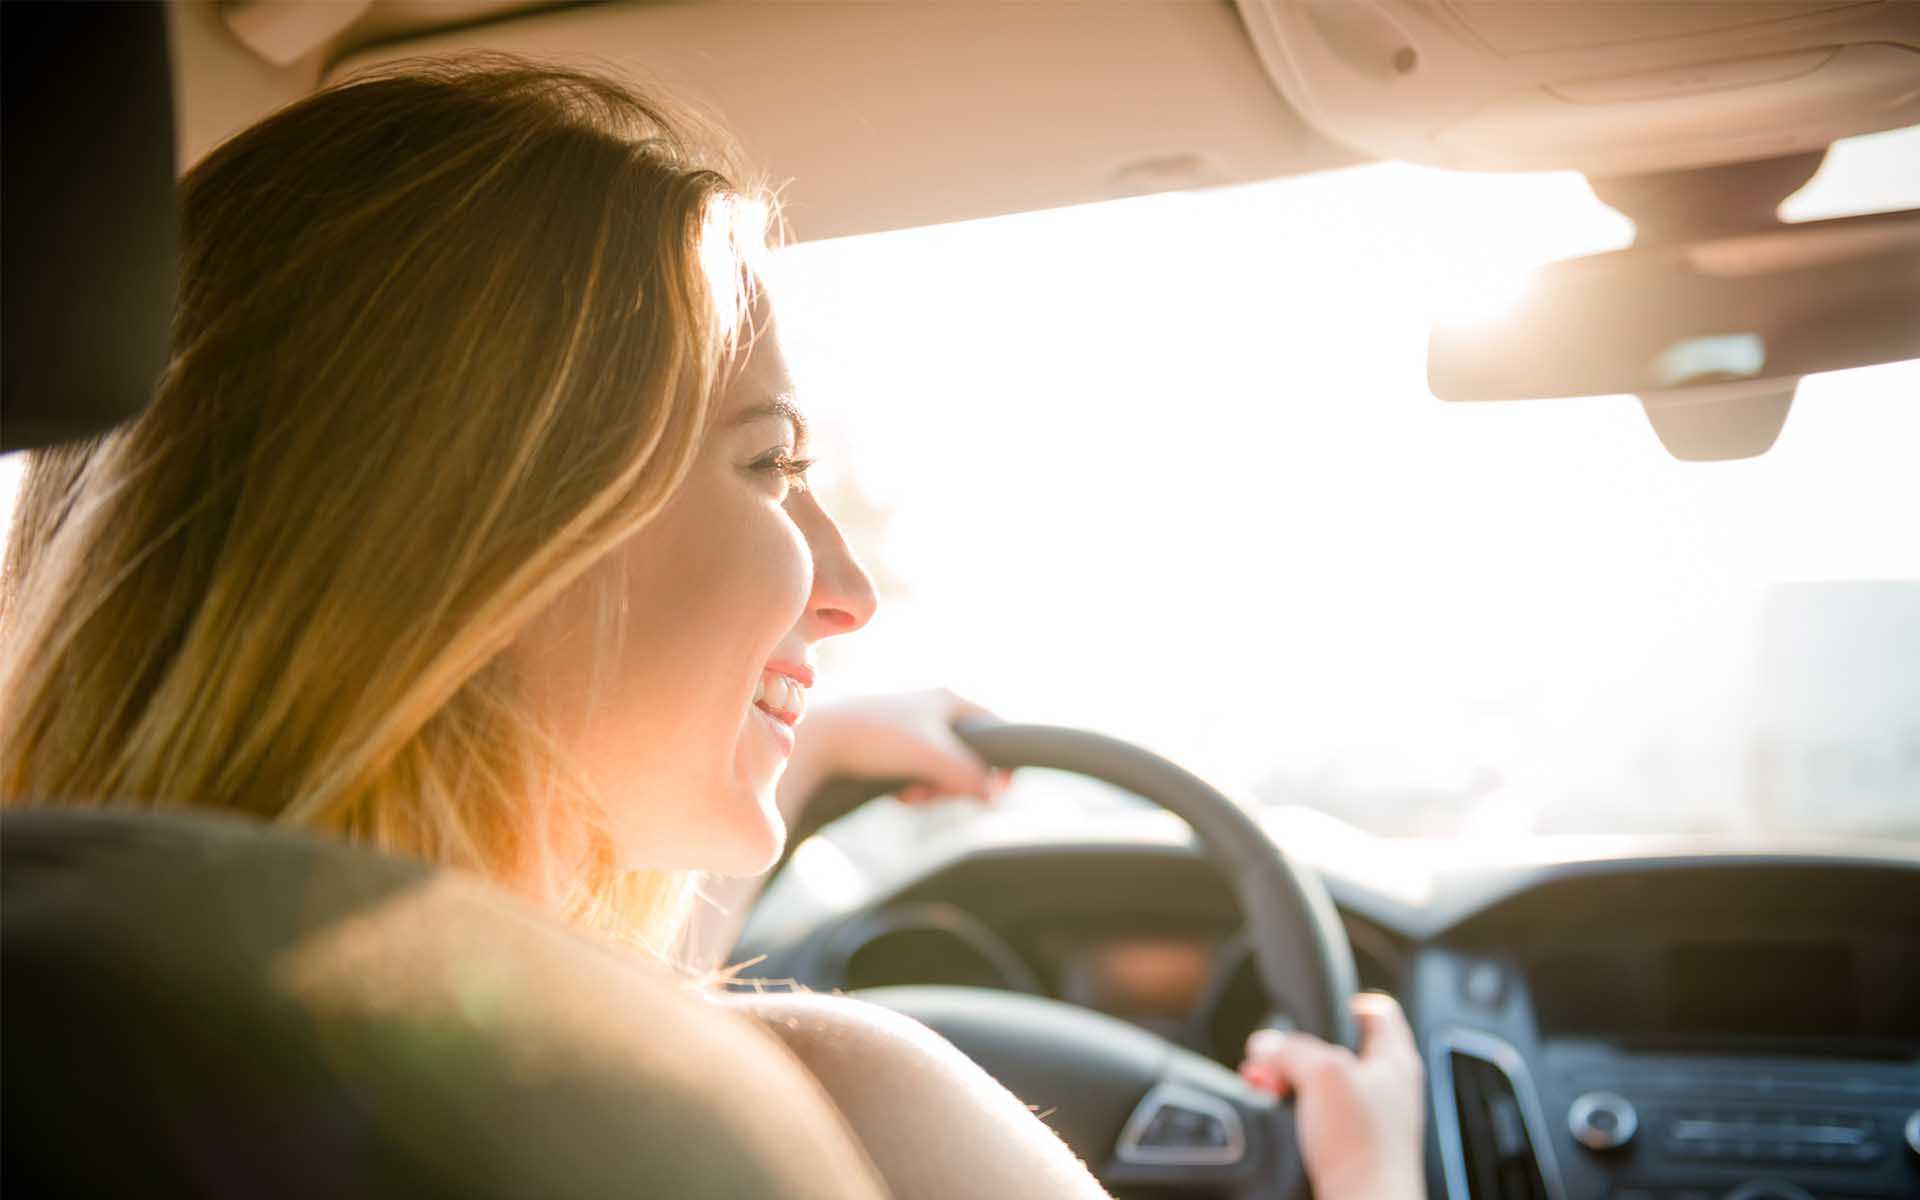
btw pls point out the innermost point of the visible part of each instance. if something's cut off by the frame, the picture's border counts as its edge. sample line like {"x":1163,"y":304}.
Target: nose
{"x":843,"y":597}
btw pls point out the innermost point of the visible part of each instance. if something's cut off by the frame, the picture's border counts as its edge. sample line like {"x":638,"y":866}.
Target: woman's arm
{"x":935,"y":1124}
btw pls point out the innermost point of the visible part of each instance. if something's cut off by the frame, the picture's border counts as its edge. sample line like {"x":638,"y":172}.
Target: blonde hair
{"x":446,"y":335}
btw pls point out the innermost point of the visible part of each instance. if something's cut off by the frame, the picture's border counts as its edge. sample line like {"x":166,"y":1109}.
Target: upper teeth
{"x":780,"y":694}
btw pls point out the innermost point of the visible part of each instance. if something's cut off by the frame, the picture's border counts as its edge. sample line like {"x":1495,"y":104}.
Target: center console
{"x":1678,"y":1059}
{"x":1761,"y":1067}
{"x":1665,"y":1126}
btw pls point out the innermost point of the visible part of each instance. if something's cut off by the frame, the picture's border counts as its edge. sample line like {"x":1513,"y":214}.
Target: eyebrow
{"x":781,"y":406}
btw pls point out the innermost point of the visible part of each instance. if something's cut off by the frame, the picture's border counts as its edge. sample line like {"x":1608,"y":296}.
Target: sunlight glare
{"x":1167,"y":467}
{"x":1482,"y":298}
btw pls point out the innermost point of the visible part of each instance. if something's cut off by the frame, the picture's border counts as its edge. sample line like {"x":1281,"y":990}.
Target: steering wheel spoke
{"x":1202,"y":1127}
{"x":1139,"y":1109}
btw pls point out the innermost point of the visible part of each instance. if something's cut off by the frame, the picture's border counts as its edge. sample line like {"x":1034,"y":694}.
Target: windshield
{"x":1168,"y":468}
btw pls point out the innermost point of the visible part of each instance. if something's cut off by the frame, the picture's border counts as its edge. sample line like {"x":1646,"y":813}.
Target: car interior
{"x":193,"y":1006}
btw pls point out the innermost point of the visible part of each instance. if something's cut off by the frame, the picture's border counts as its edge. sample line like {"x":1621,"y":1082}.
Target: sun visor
{"x":1602,"y":88}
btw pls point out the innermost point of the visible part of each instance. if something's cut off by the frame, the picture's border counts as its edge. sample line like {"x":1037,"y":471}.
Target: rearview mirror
{"x":1721,"y":320}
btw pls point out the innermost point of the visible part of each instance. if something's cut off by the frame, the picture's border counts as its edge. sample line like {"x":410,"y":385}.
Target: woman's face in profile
{"x":719,"y":602}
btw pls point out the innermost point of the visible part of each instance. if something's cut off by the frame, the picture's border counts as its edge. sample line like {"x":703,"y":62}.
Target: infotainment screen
{"x":1761,"y":989}
{"x":1741,"y":989}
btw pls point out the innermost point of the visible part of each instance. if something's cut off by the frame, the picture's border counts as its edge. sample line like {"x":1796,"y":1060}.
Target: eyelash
{"x":793,"y":470}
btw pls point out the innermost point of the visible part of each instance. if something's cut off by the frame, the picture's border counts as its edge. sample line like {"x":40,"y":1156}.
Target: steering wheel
{"x":1135,"y":1107}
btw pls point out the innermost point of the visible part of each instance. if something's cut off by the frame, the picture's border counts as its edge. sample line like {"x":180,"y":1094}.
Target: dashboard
{"x":1151,"y":936}
{"x":1653,"y":1026}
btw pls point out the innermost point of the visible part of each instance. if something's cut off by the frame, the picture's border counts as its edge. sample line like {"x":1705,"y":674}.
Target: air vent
{"x":1500,"y":1163}
{"x":1491,"y":1138}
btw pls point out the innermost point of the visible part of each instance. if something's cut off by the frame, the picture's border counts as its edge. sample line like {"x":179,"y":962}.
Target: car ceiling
{"x":881,"y":114}
{"x":868,"y":116}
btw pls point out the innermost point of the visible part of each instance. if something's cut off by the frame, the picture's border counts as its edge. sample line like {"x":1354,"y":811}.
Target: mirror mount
{"x":1739,"y":418}
{"x":1667,"y":207}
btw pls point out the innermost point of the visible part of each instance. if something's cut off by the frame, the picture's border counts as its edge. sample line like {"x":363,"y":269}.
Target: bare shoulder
{"x":935,"y":1123}
{"x":815,"y":1025}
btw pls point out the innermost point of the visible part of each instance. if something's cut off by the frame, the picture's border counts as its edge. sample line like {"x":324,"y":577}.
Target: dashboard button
{"x":1602,"y":1120}
{"x":1484,"y":985}
{"x":1768,"y":1189}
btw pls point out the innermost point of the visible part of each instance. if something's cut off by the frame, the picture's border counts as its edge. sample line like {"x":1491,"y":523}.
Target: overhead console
{"x":1602,"y":87}
{"x":1669,"y":1030}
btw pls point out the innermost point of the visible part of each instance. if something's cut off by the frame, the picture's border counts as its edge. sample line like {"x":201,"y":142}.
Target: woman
{"x":470,"y":522}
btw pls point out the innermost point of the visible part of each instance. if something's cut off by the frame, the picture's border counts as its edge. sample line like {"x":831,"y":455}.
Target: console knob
{"x":1602,"y":1121}
{"x":1913,"y":1131}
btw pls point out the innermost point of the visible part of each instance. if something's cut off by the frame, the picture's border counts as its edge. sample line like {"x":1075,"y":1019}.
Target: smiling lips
{"x":780,"y":696}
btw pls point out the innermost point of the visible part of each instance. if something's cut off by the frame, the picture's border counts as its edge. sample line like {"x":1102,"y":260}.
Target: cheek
{"x":747,"y":558}
{"x":788,"y":568}
{"x":714,"y":586}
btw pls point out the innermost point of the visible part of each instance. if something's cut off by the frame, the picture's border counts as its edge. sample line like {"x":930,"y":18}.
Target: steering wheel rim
{"x":1297,"y":943}
{"x":1291,"y":921}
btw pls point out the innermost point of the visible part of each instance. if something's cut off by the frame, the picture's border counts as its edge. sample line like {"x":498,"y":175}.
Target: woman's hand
{"x":907,"y":735}
{"x":1359,"y":1117}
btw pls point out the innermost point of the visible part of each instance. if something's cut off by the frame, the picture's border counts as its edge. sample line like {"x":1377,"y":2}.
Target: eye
{"x":782,"y":464}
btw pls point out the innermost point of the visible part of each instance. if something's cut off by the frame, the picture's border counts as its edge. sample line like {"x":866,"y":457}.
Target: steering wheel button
{"x":1159,"y":1131}
{"x":1175,"y":1125}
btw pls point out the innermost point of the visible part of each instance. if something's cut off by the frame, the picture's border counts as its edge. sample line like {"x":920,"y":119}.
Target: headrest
{"x":197,"y":1006}
{"x":88,"y":227}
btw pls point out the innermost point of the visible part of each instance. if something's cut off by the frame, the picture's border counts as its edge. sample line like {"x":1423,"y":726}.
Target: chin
{"x":752,"y":838}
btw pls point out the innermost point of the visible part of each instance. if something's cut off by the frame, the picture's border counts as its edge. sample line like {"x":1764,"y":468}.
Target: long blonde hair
{"x":446,"y":335}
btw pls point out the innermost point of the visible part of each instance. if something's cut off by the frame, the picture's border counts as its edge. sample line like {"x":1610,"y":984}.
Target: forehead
{"x":758,"y":373}
{"x":760,"y":388}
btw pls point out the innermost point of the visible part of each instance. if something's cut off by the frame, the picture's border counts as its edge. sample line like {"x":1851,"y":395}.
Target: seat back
{"x":200,"y":1006}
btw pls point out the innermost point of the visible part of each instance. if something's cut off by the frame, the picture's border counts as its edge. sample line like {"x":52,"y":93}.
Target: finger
{"x":1383,"y":1027}
{"x":951,"y":767}
{"x":1258,"y":1076}
{"x":960,"y":708}
{"x":915,"y":793}
{"x":1291,"y":1057}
